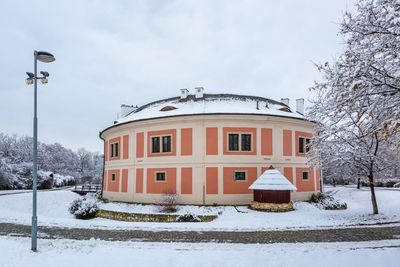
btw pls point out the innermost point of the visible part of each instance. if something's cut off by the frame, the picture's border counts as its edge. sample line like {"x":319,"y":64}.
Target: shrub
{"x":168,"y":202}
{"x":188,"y":217}
{"x":4,"y":182}
{"x":45,"y":180}
{"x":390,"y":183}
{"x":85,"y":207}
{"x":63,"y":180}
{"x":327,"y":202}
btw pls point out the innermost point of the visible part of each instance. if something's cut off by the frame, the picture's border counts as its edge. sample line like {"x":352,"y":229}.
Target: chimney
{"x":126,"y":109}
{"x":300,"y":106}
{"x":199,"y":92}
{"x":184,"y":93}
{"x":285,"y":101}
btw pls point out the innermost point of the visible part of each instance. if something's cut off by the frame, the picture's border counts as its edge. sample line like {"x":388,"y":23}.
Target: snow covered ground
{"x":53,"y":211}
{"x":15,"y":251}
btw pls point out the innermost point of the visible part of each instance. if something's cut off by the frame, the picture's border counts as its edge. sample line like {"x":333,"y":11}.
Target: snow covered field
{"x":53,"y":211}
{"x":60,"y":252}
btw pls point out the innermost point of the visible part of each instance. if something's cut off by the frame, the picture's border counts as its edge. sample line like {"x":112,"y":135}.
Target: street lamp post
{"x":32,"y":78}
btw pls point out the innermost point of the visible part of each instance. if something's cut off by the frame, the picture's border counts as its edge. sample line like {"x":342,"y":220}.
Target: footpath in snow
{"x":61,"y":252}
{"x":53,"y":211}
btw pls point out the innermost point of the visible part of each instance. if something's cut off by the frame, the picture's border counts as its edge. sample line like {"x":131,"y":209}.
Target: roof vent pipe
{"x":199,"y":92}
{"x":127,"y":109}
{"x":184,"y":93}
{"x":300,"y":106}
{"x":285,"y":101}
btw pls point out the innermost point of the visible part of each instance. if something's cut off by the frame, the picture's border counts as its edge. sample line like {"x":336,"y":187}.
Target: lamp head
{"x":45,"y":73}
{"x":45,"y":57}
{"x":29,"y":80}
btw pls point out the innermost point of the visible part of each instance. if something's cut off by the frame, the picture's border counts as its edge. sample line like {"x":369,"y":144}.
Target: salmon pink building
{"x":206,"y":148}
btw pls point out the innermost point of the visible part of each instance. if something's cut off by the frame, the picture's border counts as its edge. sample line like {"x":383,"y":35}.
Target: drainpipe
{"x":104,"y":164}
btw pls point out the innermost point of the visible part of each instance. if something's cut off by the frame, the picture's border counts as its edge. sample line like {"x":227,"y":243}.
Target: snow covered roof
{"x":272,"y":179}
{"x":210,"y":104}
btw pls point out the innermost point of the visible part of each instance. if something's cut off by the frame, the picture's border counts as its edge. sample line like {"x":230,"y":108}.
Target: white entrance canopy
{"x":272,"y":179}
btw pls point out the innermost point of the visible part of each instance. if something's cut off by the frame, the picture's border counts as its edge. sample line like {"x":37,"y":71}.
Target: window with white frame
{"x":113,"y":177}
{"x":240,"y":175}
{"x":305,"y":175}
{"x":161,"y":144}
{"x":114,"y":150}
{"x":239,"y":141}
{"x":304,"y":145}
{"x":160,"y":176}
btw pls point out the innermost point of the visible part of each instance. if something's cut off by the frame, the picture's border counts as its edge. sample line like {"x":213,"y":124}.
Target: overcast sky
{"x":133,"y":52}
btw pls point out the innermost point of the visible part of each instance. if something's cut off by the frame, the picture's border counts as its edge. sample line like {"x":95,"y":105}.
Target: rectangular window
{"x":301,"y":145}
{"x":160,"y":176}
{"x":161,"y":144}
{"x":305,"y":175}
{"x":113,"y":177}
{"x":239,"y":142}
{"x":233,"y":142}
{"x":246,"y":142}
{"x":114,"y":150}
{"x":155,"y":144}
{"x":304,"y":145}
{"x":166,"y":143}
{"x":240,"y":176}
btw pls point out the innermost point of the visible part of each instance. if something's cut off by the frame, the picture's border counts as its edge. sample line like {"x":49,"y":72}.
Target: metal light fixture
{"x":30,"y":75}
{"x":45,"y":57}
{"x":44,"y":79}
{"x":29,"y":80}
{"x":45,"y":73}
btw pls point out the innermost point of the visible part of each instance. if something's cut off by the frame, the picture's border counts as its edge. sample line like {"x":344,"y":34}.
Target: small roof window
{"x":168,"y":108}
{"x":286,"y":109}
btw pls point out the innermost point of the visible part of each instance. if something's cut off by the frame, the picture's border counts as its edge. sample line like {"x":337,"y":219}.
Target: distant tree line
{"x":57,"y":165}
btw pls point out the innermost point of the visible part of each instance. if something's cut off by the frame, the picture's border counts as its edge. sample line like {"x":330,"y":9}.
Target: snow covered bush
{"x":45,"y":179}
{"x":168,"y":202}
{"x":4,"y":182}
{"x":389,"y":182}
{"x":85,"y":207}
{"x":188,"y":217}
{"x":327,"y":202}
{"x":63,"y":180}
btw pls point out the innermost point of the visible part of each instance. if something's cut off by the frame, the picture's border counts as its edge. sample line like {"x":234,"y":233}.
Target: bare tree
{"x":84,"y":159}
{"x":358,"y":101}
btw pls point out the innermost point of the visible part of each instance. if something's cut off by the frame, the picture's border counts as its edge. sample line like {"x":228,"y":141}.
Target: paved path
{"x":24,"y":191}
{"x":328,"y":235}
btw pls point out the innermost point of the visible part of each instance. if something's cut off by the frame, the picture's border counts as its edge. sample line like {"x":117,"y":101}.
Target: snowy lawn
{"x":53,"y":211}
{"x":15,"y":251}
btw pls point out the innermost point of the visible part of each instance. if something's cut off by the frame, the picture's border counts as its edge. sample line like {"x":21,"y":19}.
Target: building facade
{"x":205,"y":148}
